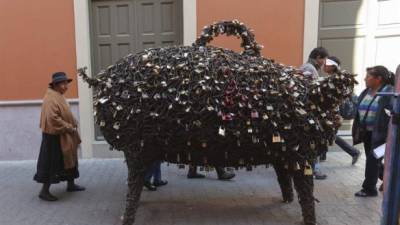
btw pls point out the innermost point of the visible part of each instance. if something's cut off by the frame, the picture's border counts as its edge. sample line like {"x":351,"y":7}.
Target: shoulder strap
{"x":370,"y":103}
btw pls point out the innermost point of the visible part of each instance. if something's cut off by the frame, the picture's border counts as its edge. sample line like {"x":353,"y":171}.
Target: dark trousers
{"x":346,"y":146}
{"x":153,"y":171}
{"x":372,"y":166}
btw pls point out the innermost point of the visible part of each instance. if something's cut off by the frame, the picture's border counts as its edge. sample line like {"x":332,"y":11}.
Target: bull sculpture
{"x":204,"y":105}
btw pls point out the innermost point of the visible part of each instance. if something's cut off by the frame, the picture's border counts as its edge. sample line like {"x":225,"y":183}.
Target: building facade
{"x":41,"y":37}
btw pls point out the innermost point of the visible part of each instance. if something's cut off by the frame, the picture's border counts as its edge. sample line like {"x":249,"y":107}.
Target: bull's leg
{"x":304,"y":185}
{"x":136,"y":172}
{"x":285,"y":182}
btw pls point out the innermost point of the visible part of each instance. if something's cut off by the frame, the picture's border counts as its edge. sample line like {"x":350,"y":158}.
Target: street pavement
{"x":251,"y":198}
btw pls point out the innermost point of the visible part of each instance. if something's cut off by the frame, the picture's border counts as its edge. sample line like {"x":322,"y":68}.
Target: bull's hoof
{"x":310,"y":220}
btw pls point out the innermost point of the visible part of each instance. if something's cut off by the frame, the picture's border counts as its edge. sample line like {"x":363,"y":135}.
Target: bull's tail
{"x":91,"y":81}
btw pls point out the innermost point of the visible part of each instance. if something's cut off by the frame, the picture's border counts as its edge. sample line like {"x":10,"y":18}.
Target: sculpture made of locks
{"x":206,"y":105}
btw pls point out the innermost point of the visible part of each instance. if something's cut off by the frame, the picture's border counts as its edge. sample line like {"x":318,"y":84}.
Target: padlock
{"x":276,"y":138}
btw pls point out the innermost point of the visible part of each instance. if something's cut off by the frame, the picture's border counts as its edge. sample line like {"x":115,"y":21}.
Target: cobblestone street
{"x":252,"y":198}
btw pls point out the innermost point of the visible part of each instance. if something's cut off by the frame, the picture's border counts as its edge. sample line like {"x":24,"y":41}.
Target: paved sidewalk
{"x":252,"y":198}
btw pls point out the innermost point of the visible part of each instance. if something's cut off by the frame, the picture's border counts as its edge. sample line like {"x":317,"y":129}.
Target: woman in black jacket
{"x":371,"y":123}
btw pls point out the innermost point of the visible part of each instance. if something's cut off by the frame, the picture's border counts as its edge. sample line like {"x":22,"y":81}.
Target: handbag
{"x":348,"y":109}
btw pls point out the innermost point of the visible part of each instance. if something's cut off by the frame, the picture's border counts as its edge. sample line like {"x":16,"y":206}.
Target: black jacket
{"x":382,"y":119}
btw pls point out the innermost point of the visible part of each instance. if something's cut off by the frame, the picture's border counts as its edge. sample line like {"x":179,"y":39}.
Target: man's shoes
{"x":322,"y":158}
{"x":355,"y":158}
{"x":363,"y":193}
{"x":225,"y":175}
{"x":47,"y":197}
{"x":319,"y":176}
{"x":75,"y":187}
{"x":150,"y":186}
{"x":195,"y":175}
{"x":160,"y":183}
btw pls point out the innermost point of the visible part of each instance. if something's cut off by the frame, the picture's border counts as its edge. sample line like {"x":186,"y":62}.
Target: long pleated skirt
{"x":50,"y":164}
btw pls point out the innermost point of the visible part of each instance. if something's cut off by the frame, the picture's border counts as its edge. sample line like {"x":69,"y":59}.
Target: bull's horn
{"x":86,"y":78}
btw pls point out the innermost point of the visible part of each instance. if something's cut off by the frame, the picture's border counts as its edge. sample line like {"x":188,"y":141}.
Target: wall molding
{"x":35,"y":102}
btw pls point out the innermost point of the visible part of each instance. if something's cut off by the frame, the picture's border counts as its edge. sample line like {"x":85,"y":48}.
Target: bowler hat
{"x":59,"y":77}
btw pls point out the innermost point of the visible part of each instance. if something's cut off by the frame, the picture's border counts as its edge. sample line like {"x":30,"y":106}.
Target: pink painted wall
{"x":37,"y":38}
{"x":278,"y":25}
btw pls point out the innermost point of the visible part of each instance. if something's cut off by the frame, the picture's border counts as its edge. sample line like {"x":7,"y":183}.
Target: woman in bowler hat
{"x":58,"y":159}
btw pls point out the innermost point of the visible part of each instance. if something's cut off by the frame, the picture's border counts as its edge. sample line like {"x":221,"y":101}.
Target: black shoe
{"x":149,"y":186}
{"x":320,"y":176}
{"x":225,"y":176}
{"x":48,"y":197}
{"x":355,"y":158}
{"x":75,"y":187}
{"x":363,"y":193}
{"x":322,"y":158}
{"x":160,"y":183}
{"x":195,"y":176}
